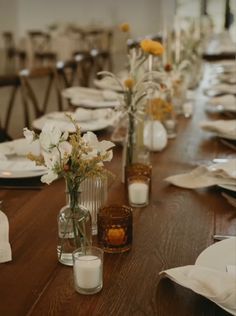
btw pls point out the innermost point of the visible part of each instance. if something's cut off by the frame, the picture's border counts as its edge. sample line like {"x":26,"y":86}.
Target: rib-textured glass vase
{"x":74,"y":226}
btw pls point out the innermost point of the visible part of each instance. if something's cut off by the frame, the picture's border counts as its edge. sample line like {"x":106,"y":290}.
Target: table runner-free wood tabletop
{"x":171,"y":231}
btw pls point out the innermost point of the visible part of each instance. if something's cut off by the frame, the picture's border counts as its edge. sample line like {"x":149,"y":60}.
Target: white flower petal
{"x":29,"y":135}
{"x":49,"y":177}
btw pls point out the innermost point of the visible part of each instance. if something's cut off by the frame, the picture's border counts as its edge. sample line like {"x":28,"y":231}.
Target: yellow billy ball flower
{"x":125,"y":27}
{"x":129,"y":83}
{"x":152,"y":47}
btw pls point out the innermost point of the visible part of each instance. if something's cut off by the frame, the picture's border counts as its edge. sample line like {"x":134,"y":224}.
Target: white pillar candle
{"x":138,"y":192}
{"x":88,"y":272}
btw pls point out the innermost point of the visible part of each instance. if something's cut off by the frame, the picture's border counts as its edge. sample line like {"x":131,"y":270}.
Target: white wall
{"x":143,"y":15}
{"x":8,"y":16}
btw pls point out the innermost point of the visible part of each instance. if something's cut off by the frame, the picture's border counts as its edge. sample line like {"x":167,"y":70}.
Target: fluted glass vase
{"x":74,"y":226}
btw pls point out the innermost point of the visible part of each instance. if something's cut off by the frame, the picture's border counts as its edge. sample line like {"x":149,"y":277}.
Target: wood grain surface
{"x":171,"y":231}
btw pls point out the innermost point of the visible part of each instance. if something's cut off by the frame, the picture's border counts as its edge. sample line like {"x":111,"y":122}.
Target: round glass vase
{"x":74,"y":228}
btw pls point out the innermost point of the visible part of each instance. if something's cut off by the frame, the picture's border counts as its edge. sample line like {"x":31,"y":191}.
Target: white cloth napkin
{"x":5,"y":248}
{"x":203,"y":176}
{"x":108,"y":83}
{"x":228,"y":102}
{"x":221,"y":88}
{"x":19,"y":147}
{"x":217,"y":286}
{"x":90,"y":103}
{"x":90,"y":97}
{"x":224,"y":128}
{"x":19,"y":165}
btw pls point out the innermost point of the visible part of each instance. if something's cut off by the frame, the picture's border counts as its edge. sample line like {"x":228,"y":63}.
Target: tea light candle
{"x":88,"y":271}
{"x":138,"y":192}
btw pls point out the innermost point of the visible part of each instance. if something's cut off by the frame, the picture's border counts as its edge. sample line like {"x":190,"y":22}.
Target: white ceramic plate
{"x":219,"y":255}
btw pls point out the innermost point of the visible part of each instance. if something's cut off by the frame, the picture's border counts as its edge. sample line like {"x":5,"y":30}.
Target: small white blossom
{"x":98,"y":147}
{"x":29,"y":135}
{"x":51,"y":136}
{"x":49,"y":177}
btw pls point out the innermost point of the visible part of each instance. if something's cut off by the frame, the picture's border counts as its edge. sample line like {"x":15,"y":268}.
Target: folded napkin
{"x":217,"y":286}
{"x":64,"y":125}
{"x":108,"y":83}
{"x":91,"y":103}
{"x":5,"y":248}
{"x":227,"y":78}
{"x":19,"y":147}
{"x":225,"y":128}
{"x":203,"y":176}
{"x":221,"y":89}
{"x":90,"y":94}
{"x":80,"y":115}
{"x":227,"y":99}
{"x":19,"y":165}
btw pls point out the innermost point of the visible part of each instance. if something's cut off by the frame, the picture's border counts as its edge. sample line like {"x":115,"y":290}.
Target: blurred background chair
{"x":41,"y":48}
{"x":15,"y":57}
{"x":37,"y":89}
{"x":11,"y":84}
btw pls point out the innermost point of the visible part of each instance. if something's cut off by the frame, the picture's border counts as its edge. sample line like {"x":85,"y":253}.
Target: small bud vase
{"x":74,"y":227}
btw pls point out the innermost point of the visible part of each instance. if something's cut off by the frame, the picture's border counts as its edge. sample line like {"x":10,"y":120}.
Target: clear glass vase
{"x":74,"y":228}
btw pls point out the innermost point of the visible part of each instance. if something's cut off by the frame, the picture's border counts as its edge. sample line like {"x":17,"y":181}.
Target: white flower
{"x":49,"y":177}
{"x":98,"y":147}
{"x":51,"y":136}
{"x":65,"y":149}
{"x":29,"y":135}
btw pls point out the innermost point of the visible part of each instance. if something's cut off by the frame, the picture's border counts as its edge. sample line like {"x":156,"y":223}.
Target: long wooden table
{"x":171,"y":231}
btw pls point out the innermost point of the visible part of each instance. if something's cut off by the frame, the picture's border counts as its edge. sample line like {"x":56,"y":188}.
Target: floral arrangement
{"x":73,"y":157}
{"x":136,"y":87}
{"x":159,"y":109}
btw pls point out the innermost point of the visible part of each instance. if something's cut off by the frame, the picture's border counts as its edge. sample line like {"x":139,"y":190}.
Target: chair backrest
{"x":100,"y":39}
{"x":36,"y":87}
{"x":75,"y":72}
{"x":40,"y":41}
{"x":40,"y":47}
{"x":15,"y":58}
{"x":11,"y":82}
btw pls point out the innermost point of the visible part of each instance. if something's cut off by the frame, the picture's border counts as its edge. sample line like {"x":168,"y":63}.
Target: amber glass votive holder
{"x":115,"y":228}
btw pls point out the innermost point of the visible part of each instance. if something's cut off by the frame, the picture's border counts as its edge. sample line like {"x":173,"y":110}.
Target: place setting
{"x":213,"y":275}
{"x":16,"y":170}
{"x":91,"y":98}
{"x":89,"y":119}
{"x":225,"y":104}
{"x":222,"y":174}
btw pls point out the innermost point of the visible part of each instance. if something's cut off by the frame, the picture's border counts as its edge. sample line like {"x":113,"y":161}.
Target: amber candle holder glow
{"x":115,"y":227}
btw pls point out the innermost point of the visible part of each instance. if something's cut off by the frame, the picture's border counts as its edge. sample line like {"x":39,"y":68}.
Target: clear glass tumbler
{"x":88,"y":270}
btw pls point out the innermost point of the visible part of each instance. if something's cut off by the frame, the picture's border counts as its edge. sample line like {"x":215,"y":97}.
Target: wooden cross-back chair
{"x":75,"y":72}
{"x":32,"y":95}
{"x":13,"y":83}
{"x":40,"y":43}
{"x":15,"y":57}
